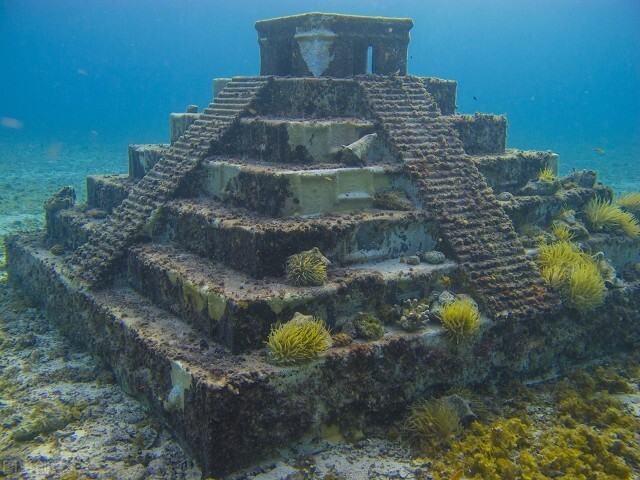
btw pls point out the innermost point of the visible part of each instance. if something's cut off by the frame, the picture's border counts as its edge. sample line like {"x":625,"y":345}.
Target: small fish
{"x":8,"y":122}
{"x":475,"y":98}
{"x":599,"y":150}
{"x":457,"y":475}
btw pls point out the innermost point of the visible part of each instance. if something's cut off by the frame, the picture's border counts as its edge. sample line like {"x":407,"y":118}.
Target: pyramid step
{"x":259,"y":245}
{"x":238,"y":312}
{"x":106,"y":192}
{"x":295,"y":141}
{"x":279,"y":190}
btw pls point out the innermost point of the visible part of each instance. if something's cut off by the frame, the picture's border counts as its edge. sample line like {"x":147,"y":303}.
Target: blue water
{"x":85,"y":78}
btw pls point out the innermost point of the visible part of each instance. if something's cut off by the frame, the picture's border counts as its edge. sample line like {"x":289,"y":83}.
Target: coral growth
{"x":433,"y":422}
{"x":308,"y":268}
{"x":341,"y":340}
{"x":562,"y":232}
{"x":603,"y":215}
{"x":547,"y":175}
{"x":368,"y":326}
{"x":630,"y":202}
{"x":588,"y":435}
{"x":460,"y":318}
{"x":414,"y":314}
{"x":578,"y":276}
{"x":584,"y":288}
{"x":302,"y":338}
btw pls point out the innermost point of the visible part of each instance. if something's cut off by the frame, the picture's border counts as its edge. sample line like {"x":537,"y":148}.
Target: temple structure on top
{"x":176,"y":273}
{"x":330,"y":45}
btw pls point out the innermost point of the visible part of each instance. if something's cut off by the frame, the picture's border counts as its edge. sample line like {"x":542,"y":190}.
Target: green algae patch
{"x":288,"y":301}
{"x":193,"y":296}
{"x":216,"y":305}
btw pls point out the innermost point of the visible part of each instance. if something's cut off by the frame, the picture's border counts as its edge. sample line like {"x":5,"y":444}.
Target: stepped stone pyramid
{"x":174,"y":274}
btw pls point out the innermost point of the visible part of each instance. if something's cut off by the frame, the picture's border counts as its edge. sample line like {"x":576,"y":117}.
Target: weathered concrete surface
{"x":511,"y":170}
{"x":106,"y":192}
{"x":142,"y":158}
{"x":238,"y":408}
{"x":481,"y":133}
{"x":325,"y":44}
{"x":238,"y":312}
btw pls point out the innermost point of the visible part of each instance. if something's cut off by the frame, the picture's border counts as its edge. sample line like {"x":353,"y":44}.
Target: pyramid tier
{"x":238,"y":311}
{"x":231,"y":410}
{"x":260,"y":245}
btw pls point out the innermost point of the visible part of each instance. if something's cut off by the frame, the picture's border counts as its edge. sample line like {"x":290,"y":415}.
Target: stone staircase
{"x":469,"y":216}
{"x":105,"y":247}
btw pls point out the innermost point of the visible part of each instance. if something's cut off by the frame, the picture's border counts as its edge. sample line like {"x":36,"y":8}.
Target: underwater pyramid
{"x":176,"y":273}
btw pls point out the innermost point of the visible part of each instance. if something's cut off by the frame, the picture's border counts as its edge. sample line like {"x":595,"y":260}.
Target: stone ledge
{"x":237,"y":311}
{"x":259,"y":245}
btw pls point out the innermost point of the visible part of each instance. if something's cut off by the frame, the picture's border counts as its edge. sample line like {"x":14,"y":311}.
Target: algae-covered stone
{"x":393,"y":200}
{"x":413,"y":260}
{"x":433,"y":257}
{"x":368,"y":326}
{"x":541,"y":187}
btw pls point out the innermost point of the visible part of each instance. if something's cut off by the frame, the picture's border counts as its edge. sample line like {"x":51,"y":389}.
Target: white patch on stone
{"x":180,"y":381}
{"x":315,"y":46}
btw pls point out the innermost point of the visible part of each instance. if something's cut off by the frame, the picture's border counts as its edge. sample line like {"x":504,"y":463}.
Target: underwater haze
{"x":82,"y":79}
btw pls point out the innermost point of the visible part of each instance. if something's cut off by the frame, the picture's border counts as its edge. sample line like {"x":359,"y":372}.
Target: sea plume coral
{"x":308,"y":268}
{"x":302,"y":338}
{"x":603,"y":215}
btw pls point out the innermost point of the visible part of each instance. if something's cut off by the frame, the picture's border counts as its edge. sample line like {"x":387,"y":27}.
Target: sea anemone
{"x":547,"y":175}
{"x":308,"y":268}
{"x":460,"y":318}
{"x":301,"y":339}
{"x":630,"y":202}
{"x":562,"y":233}
{"x":584,"y":289}
{"x":562,"y":254}
{"x":603,"y":215}
{"x":434,"y":421}
{"x":554,"y":276}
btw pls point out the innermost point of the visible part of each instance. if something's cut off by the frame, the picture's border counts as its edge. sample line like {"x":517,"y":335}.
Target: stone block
{"x":444,"y":92}
{"x":286,"y":192}
{"x":481,"y":133}
{"x":143,"y":157}
{"x":219,"y":84}
{"x":178,"y":124}
{"x":511,"y":170}
{"x":106,"y":192}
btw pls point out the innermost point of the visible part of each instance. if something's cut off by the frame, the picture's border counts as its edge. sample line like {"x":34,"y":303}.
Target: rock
{"x":192,"y":109}
{"x":356,"y":153}
{"x":582,"y":178}
{"x":393,"y":200}
{"x":57,"y":249}
{"x":61,"y":200}
{"x":505,"y":196}
{"x":462,"y":406}
{"x":413,"y":260}
{"x":540,"y":187}
{"x":433,"y":257}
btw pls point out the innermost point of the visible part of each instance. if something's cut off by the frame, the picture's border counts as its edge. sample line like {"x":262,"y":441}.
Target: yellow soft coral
{"x":460,"y":318}
{"x":603,"y":215}
{"x":302,"y":338}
